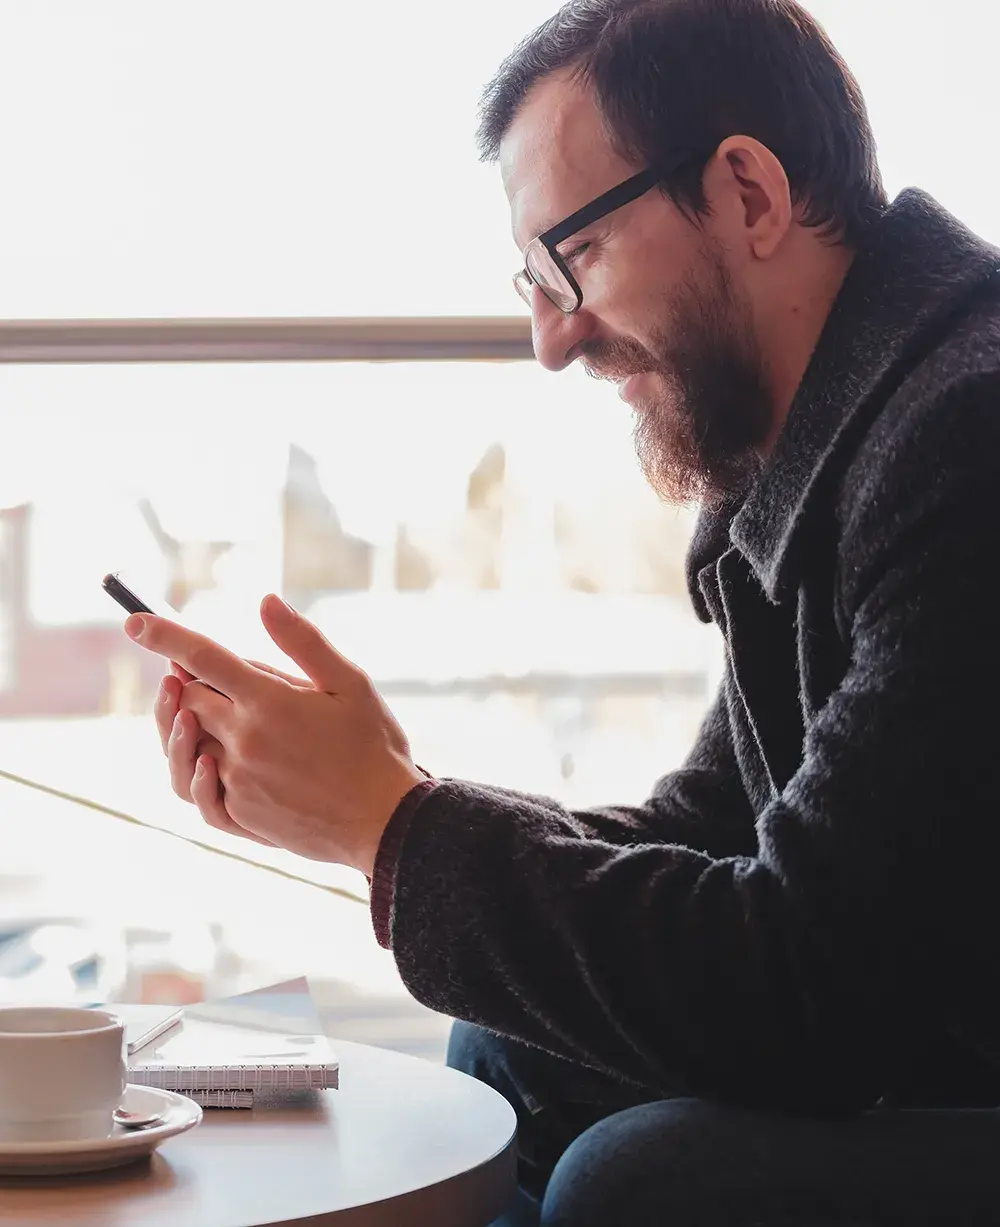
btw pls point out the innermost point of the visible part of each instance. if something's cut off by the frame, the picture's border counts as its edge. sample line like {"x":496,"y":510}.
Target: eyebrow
{"x":534,"y":235}
{"x":551,"y":223}
{"x":547,"y":225}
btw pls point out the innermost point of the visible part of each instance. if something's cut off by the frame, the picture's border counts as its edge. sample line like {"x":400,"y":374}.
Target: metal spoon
{"x":137,"y":1120}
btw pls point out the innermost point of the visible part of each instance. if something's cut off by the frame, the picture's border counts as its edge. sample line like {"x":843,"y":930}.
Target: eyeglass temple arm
{"x":623,"y":194}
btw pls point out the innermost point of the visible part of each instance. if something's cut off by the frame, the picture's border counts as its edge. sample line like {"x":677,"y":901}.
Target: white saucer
{"x":113,"y":1149}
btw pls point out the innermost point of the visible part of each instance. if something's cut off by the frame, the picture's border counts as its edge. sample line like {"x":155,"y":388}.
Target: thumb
{"x":306,"y":644}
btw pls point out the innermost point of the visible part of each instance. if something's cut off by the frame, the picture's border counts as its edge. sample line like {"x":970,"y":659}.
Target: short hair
{"x":677,"y":77}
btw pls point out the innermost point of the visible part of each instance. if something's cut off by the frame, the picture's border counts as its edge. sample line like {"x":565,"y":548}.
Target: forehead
{"x":555,"y":157}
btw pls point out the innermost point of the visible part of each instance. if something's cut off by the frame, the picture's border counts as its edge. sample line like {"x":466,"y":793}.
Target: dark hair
{"x":676,"y":77}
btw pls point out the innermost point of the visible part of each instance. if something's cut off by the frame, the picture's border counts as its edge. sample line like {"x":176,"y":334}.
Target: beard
{"x":699,"y":437}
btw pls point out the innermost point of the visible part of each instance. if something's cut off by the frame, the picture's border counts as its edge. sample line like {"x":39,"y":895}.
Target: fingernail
{"x":277,"y":608}
{"x":177,"y":728}
{"x":199,"y":769}
{"x":163,"y":696}
{"x":135,"y":626}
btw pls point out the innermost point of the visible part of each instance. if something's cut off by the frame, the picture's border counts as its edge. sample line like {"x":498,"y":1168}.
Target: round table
{"x":401,"y":1142}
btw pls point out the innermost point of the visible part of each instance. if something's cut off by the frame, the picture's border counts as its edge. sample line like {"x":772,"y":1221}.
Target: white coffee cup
{"x":62,"y":1072}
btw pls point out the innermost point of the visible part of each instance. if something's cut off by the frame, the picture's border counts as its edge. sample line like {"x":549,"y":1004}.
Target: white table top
{"x":401,"y":1142}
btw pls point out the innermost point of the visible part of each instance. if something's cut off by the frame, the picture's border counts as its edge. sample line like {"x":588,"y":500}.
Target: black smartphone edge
{"x":124,"y":595}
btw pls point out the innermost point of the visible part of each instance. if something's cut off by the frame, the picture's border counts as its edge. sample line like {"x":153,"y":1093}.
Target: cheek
{"x":643,"y":328}
{"x":636,"y":302}
{"x":626,"y":317}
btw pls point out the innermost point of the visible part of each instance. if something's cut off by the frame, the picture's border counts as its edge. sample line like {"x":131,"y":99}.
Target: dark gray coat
{"x":805,"y":915}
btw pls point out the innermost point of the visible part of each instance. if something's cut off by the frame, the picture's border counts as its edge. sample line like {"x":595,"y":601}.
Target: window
{"x":275,"y":183}
{"x":475,"y":534}
{"x":247,"y":158}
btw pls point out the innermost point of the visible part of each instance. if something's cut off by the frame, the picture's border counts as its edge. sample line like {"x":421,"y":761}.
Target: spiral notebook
{"x":268,"y":1040}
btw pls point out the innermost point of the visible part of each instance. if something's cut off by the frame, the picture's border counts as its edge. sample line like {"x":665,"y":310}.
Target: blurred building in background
{"x":520,"y":592}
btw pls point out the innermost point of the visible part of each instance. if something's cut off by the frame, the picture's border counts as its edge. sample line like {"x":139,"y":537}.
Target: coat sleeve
{"x":702,"y":804}
{"x":786,"y":978}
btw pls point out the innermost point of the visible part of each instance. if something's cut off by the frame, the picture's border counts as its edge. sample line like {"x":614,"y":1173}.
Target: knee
{"x":652,"y":1163}
{"x":500,"y":1062}
{"x":474,"y":1050}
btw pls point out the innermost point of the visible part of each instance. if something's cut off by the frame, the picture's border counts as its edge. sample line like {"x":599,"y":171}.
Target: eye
{"x":574,"y":253}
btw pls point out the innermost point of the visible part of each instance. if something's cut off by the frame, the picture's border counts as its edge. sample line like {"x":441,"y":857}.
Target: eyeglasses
{"x":546,"y":268}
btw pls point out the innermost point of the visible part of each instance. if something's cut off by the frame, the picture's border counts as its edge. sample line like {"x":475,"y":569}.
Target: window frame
{"x":332,"y":339}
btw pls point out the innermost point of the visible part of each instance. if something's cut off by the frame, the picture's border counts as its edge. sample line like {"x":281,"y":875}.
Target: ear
{"x":747,"y":189}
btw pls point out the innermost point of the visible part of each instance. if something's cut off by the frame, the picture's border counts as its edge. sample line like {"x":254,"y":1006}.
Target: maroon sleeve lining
{"x":383,"y":885}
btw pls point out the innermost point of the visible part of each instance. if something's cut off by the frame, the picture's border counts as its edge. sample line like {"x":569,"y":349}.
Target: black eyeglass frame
{"x":622,"y":194}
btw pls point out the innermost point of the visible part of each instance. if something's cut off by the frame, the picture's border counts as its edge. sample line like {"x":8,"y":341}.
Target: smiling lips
{"x":628,"y":386}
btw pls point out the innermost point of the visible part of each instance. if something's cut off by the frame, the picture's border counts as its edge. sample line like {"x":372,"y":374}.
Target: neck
{"x":796,"y":327}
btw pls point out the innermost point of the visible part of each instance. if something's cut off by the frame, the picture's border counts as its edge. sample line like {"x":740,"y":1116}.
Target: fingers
{"x":182,"y":751}
{"x":288,"y":677}
{"x":179,"y":671}
{"x":305,"y":643}
{"x":207,"y":794}
{"x":188,"y":751}
{"x":202,"y":657}
{"x":214,"y":712}
{"x":165,"y":707}
{"x":187,"y":746}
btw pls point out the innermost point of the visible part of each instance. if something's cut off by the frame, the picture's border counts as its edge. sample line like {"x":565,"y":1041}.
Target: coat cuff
{"x":383,"y":883}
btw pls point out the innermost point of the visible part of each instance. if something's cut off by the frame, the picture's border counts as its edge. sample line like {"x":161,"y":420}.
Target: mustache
{"x":615,"y":361}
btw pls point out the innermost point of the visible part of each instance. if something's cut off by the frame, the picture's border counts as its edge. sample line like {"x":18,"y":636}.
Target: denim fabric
{"x":597,"y":1153}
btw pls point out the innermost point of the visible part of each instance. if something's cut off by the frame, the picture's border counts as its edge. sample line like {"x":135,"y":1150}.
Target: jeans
{"x":596,"y":1153}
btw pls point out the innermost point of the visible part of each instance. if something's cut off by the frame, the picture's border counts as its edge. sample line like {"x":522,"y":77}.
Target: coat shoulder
{"x":939,"y":429}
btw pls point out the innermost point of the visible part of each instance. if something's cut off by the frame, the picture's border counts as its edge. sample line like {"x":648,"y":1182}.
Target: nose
{"x":555,"y":335}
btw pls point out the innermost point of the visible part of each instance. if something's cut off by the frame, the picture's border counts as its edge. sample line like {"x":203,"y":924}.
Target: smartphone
{"x":125,"y":597}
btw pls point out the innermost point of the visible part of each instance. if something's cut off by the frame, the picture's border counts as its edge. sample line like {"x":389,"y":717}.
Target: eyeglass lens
{"x":549,"y":278}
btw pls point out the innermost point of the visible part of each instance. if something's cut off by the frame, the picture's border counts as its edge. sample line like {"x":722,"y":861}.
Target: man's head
{"x":707,"y":287}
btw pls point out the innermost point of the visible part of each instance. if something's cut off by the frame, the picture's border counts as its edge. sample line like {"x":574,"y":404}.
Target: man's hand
{"x":315,"y":766}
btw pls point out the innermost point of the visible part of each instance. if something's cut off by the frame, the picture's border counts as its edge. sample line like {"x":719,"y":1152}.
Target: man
{"x":764,"y":996}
